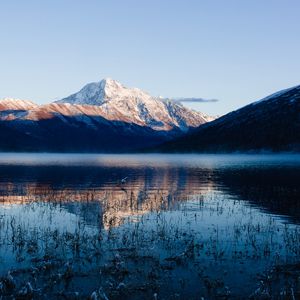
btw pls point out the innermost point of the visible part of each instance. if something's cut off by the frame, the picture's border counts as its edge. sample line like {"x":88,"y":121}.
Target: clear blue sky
{"x":234,"y":50}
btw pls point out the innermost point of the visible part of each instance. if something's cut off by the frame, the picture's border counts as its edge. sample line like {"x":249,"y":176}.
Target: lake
{"x":153,"y":226}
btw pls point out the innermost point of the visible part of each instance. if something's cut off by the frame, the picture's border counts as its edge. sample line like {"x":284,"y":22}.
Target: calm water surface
{"x":175,"y":227}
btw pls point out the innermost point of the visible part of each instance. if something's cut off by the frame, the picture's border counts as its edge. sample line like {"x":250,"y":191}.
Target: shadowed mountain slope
{"x":271,"y":124}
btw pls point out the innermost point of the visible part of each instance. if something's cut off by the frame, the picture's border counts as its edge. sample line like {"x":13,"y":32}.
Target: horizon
{"x":231,"y":51}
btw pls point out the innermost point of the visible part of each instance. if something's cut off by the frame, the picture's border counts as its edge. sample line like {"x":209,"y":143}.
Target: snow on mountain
{"x":11,"y":108}
{"x":113,"y":101}
{"x":16,"y":104}
{"x":276,"y":95}
{"x":97,"y":93}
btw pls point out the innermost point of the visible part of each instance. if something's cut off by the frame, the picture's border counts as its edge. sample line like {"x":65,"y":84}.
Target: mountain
{"x":270,"y":124}
{"x":117,"y":102}
{"x":101,"y":117}
{"x":13,"y":108}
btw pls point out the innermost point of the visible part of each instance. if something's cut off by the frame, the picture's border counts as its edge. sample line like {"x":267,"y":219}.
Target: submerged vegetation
{"x":165,"y":233}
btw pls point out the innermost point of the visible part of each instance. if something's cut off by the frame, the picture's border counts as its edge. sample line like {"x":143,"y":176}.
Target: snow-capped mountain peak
{"x":91,"y":94}
{"x":132,"y":105}
{"x":97,"y":93}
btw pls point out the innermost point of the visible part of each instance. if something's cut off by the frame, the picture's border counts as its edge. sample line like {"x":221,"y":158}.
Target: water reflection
{"x":199,"y":220}
{"x":154,"y":182}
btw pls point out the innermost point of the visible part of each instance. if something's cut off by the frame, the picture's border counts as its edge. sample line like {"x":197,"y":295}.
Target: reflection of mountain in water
{"x":97,"y":195}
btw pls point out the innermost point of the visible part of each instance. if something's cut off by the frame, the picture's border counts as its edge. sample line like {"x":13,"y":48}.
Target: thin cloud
{"x":190,"y":100}
{"x":200,"y":100}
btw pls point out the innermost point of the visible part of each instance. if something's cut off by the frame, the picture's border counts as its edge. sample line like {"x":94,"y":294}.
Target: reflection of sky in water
{"x":231,"y":206}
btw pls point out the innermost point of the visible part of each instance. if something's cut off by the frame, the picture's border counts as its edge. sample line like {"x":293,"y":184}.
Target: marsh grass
{"x":209,"y":245}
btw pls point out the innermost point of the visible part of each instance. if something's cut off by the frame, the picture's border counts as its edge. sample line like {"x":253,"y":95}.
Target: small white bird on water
{"x":123,"y":180}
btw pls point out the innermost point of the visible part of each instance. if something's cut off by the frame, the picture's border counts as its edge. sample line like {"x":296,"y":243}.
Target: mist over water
{"x":144,"y":160}
{"x":176,"y":225}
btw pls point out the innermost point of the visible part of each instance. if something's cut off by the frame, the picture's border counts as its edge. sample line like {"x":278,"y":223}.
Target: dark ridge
{"x":270,"y":125}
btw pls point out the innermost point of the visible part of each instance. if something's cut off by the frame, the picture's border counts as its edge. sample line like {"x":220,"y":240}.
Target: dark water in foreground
{"x":178,"y":226}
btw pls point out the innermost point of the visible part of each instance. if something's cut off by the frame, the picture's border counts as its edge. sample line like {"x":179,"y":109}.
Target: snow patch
{"x":275,"y":95}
